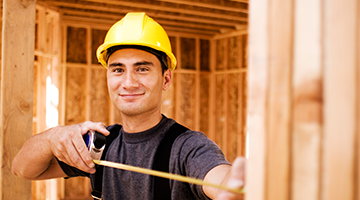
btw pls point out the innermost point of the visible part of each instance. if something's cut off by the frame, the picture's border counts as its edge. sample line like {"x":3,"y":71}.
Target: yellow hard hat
{"x":140,"y":30}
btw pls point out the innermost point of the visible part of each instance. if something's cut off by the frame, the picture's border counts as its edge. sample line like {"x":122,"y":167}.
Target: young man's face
{"x":135,"y":81}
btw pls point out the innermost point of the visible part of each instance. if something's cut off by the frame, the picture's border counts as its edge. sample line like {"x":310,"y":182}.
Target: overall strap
{"x":96,"y":183}
{"x":162,"y":189}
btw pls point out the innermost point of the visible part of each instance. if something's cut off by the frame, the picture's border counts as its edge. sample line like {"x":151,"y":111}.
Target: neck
{"x":139,"y":123}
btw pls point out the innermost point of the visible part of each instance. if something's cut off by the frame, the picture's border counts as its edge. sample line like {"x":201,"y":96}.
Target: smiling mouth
{"x":131,"y":95}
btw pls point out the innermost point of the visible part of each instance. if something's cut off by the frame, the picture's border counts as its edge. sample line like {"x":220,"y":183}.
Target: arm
{"x":36,"y":159}
{"x":231,"y":176}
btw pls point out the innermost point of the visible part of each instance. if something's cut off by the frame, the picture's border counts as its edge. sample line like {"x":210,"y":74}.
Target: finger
{"x":70,"y":153}
{"x":82,"y":152}
{"x":96,"y":126}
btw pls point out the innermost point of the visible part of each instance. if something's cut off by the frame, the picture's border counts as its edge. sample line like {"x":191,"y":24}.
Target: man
{"x":139,"y":62}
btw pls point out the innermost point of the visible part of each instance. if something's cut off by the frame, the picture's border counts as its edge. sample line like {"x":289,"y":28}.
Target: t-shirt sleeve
{"x":198,"y":155}
{"x":71,"y":171}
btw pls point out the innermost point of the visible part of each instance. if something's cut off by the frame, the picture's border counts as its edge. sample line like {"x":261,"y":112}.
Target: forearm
{"x":34,"y":158}
{"x":218,"y":175}
{"x":235,"y":179}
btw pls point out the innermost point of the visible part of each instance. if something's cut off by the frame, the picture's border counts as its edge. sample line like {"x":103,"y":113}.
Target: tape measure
{"x":95,"y":142}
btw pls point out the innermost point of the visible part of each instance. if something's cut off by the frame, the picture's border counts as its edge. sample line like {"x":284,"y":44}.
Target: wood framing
{"x":341,"y":91}
{"x":304,"y":100}
{"x":307,"y":100}
{"x":17,"y":78}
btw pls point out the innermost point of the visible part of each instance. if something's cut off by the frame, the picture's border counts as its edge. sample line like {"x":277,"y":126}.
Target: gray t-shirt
{"x":192,"y":155}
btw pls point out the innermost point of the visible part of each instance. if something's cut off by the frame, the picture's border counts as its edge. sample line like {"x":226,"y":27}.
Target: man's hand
{"x":68,"y":146}
{"x":236,"y":180}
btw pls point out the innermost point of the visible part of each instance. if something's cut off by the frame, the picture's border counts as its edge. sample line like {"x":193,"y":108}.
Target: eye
{"x":118,"y":70}
{"x":143,"y":69}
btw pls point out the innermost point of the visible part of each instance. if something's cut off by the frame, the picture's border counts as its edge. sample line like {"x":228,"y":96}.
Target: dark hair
{"x":159,"y":54}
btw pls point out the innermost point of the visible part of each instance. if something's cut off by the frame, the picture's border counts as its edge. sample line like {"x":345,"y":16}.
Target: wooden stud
{"x":17,"y":78}
{"x":278,"y":100}
{"x":226,"y":101}
{"x":241,"y":141}
{"x":177,"y":79}
{"x":257,"y":80}
{"x":88,"y":72}
{"x":357,"y":153}
{"x":340,"y":67}
{"x":212,"y":94}
{"x":307,"y":101}
{"x":197,"y":84}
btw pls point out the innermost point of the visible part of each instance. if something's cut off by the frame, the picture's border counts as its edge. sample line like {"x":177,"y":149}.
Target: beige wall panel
{"x":234,"y":50}
{"x":221,"y":48}
{"x":97,"y":37}
{"x":76,"y":45}
{"x":75,"y":96}
{"x":99,"y":96}
{"x":245,"y":50}
{"x":205,"y":103}
{"x":204,"y":55}
{"x":187,"y":100}
{"x":188,"y":56}
{"x":173,"y":44}
{"x":233,"y":125}
{"x":220,"y":115}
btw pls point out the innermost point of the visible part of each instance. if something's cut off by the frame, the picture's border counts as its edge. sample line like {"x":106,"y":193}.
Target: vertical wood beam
{"x":212,"y":94}
{"x":17,"y":71}
{"x":324,"y":92}
{"x":197,"y":84}
{"x":225,"y":105}
{"x":241,"y":143}
{"x":357,"y":154}
{"x":270,"y":66}
{"x":278,"y":101}
{"x":341,"y":23}
{"x":178,"y":82}
{"x":257,"y":80}
{"x":88,"y":72}
{"x":307,"y":101}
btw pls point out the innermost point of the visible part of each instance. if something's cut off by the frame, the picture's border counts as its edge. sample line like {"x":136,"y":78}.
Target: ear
{"x":167,"y":79}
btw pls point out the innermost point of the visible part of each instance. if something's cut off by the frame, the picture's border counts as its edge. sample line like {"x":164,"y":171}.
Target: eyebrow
{"x":143,"y":63}
{"x":119,"y":64}
{"x":115,"y":64}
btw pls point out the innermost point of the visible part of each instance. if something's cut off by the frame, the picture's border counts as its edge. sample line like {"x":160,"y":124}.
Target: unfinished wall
{"x":230,"y":90}
{"x":46,"y":86}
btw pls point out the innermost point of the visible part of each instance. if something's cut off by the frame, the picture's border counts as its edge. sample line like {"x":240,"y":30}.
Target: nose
{"x":130,"y":80}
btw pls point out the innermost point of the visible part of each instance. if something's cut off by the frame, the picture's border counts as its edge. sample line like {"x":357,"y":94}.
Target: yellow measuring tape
{"x":164,"y":175}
